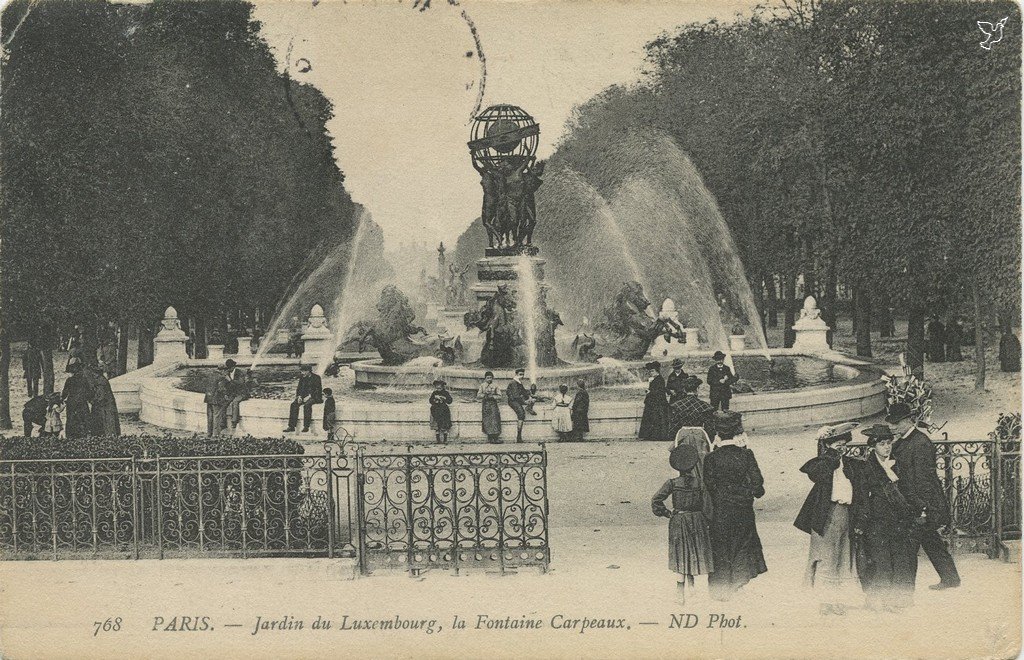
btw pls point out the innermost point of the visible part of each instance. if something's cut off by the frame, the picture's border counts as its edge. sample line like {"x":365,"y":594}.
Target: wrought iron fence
{"x":981,"y":480}
{"x":453,"y":510}
{"x":268,"y":505}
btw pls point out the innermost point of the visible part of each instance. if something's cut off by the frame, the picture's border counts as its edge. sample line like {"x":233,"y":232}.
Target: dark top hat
{"x":677,"y":363}
{"x":719,"y":355}
{"x":306,"y":367}
{"x":877,"y":433}
{"x":683,"y":458}
{"x":653,"y":365}
{"x":898,"y":412}
{"x":438,"y":383}
{"x":230,"y":364}
{"x":692,"y":384}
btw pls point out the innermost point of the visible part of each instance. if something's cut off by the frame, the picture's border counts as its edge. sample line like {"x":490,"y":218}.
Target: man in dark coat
{"x":212,"y":400}
{"x":32,"y":364}
{"x":654,"y":424}
{"x":676,"y":381}
{"x":919,"y":482}
{"x":308,"y":392}
{"x":720,"y":380}
{"x":237,"y":392}
{"x":936,"y":341}
{"x":691,"y":411}
{"x":520,"y":401}
{"x":76,"y":395}
{"x":579,"y":411}
{"x":34,"y":413}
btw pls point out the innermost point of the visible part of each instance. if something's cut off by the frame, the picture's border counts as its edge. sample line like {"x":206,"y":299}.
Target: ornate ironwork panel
{"x":965,"y":470}
{"x":454,"y":510}
{"x":287,"y":505}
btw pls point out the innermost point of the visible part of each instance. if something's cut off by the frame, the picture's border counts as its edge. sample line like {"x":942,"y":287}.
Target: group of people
{"x":672,"y":403}
{"x":84,"y":407}
{"x":944,"y":342}
{"x":867,"y":517}
{"x":224,"y":392}
{"x":569,"y":417}
{"x":712,"y":529}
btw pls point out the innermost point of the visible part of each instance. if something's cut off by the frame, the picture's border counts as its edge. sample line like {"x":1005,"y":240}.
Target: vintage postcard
{"x":510,"y":329}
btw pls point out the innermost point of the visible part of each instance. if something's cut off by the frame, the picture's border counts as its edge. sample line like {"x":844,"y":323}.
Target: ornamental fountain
{"x":506,"y":324}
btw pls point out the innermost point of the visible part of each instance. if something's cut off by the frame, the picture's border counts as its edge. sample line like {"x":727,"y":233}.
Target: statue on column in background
{"x":455,"y":291}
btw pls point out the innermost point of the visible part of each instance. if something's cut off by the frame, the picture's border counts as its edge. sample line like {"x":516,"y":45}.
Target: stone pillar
{"x":811,"y":330}
{"x":215,"y":352}
{"x":737,"y":342}
{"x":169,"y":343}
{"x":317,"y":340}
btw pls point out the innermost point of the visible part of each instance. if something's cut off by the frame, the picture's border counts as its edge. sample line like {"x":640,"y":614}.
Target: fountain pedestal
{"x":811,"y":330}
{"x":492,"y":272}
{"x":215,"y":351}
{"x":672,"y":347}
{"x":169,"y":343}
{"x":317,"y":339}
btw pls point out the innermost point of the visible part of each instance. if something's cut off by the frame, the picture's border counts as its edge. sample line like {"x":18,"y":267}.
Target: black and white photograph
{"x":510,"y":329}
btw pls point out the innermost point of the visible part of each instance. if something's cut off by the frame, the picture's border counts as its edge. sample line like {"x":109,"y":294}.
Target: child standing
{"x":54,"y":423}
{"x":689,"y":543}
{"x":561,"y":416}
{"x":440,"y":413}
{"x":330,"y":414}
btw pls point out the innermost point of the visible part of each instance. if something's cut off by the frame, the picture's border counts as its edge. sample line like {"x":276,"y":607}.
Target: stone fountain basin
{"x":373,"y":374}
{"x":153,"y":393}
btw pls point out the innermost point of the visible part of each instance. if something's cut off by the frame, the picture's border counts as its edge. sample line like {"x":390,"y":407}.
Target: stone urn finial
{"x":810,"y":310}
{"x":811,"y":329}
{"x":169,"y":343}
{"x":316,"y":317}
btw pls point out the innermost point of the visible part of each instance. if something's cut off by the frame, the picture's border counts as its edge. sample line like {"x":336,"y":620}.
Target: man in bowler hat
{"x":720,"y":380}
{"x":914,"y":453}
{"x":676,"y":381}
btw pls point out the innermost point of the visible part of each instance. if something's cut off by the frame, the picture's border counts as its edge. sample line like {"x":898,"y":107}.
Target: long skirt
{"x":891,"y":571}
{"x":830,"y":564}
{"x":736,"y":548}
{"x":689,"y":544}
{"x":561,"y":419}
{"x":655,"y":424}
{"x":491,"y":417}
{"x":440,"y":417}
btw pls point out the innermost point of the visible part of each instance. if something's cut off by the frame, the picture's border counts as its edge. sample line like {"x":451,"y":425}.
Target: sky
{"x":404,"y":89}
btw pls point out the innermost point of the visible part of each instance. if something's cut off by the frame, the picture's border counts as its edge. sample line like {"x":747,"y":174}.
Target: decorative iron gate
{"x":454,"y":510}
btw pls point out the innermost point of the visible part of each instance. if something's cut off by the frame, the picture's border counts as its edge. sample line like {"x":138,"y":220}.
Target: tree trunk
{"x":48,"y":384}
{"x":855,"y":319}
{"x":979,"y":339}
{"x":884,"y":319}
{"x":915,"y":340}
{"x":810,"y":281}
{"x":5,"y":379}
{"x":773,"y":301}
{"x":89,"y":344}
{"x":789,"y":335}
{"x":145,"y":352}
{"x":829,"y":313}
{"x":199,"y":347}
{"x":862,"y":312}
{"x":759,"y":300}
{"x":122,"y":349}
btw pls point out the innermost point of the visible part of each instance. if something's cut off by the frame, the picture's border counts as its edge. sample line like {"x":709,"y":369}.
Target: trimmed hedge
{"x":22,"y":448}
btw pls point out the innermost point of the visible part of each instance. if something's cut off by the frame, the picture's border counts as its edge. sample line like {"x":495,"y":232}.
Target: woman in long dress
{"x":440,"y":413}
{"x":490,"y":415}
{"x":689,"y":542}
{"x":655,"y":424}
{"x":561,"y":416}
{"x":827,"y":516}
{"x":734,"y":481}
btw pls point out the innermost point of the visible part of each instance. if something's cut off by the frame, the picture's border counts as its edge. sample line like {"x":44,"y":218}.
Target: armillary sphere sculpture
{"x":503,"y":147}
